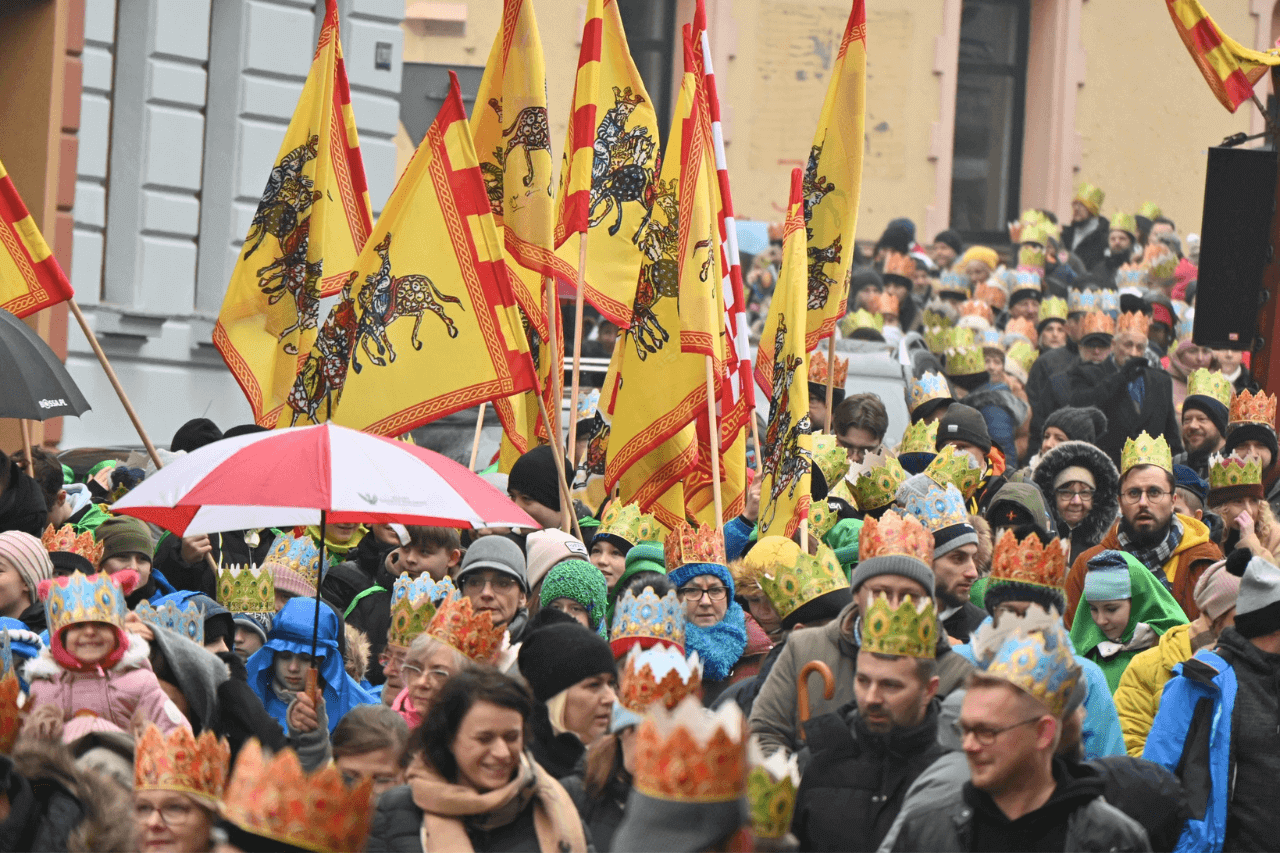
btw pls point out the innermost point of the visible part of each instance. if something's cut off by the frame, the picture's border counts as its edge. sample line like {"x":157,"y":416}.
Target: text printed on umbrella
{"x":52,"y":404}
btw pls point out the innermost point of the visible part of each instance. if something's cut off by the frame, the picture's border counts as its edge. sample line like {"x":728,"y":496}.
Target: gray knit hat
{"x":893,"y":564}
{"x":1258,"y":605}
{"x":1085,"y":424}
{"x":498,"y":553}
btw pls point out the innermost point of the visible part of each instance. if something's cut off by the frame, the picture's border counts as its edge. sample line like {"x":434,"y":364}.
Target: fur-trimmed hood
{"x":356,"y":659}
{"x":102,"y":801}
{"x":1106,"y":497}
{"x":43,"y":666}
{"x":985,"y":544}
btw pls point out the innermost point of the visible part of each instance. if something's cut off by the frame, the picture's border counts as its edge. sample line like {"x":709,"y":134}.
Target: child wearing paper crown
{"x":92,"y":666}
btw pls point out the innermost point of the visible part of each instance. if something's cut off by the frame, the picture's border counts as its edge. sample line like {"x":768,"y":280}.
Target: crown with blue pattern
{"x":953,"y":282}
{"x":186,"y":619}
{"x":85,"y":598}
{"x":1033,"y":654}
{"x":1081,"y":301}
{"x":1109,"y":302}
{"x":1026,"y":280}
{"x":939,"y":508}
{"x":413,"y":605}
{"x":646,"y":620}
{"x":298,"y":554}
{"x":931,"y":386}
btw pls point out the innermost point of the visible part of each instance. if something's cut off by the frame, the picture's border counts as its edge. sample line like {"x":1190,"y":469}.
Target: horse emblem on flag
{"x":815,"y":188}
{"x":621,"y":170}
{"x":781,"y":452}
{"x":288,"y":195}
{"x":324,"y":370}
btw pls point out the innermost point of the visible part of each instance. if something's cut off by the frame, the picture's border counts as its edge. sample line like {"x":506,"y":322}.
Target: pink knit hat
{"x":545,"y":548}
{"x":1216,"y":591}
{"x":28,"y":557}
{"x":287,"y":580}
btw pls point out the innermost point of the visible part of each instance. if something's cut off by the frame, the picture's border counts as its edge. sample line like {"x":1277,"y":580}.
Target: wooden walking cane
{"x":802,"y":689}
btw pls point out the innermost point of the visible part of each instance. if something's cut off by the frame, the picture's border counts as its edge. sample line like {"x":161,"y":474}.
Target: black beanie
{"x":1085,"y":424}
{"x":999,"y":592}
{"x":195,"y":434}
{"x":534,"y":475}
{"x":963,"y":423}
{"x":243,"y":429}
{"x":1241,"y":433}
{"x":554,"y":658}
{"x":818,"y":391}
{"x":952,"y":239}
{"x":1212,"y":408}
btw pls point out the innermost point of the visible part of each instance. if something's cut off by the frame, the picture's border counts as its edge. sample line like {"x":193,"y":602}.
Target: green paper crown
{"x":955,"y":466}
{"x":965,"y":361}
{"x":246,"y":589}
{"x":772,"y":785}
{"x":1225,"y":472}
{"x":878,"y":482}
{"x":910,"y":630}
{"x":821,"y":519}
{"x":629,"y":524}
{"x":920,"y":437}
{"x":1145,"y":450}
{"x":829,"y":456}
{"x":791,"y":578}
{"x":1207,"y":383}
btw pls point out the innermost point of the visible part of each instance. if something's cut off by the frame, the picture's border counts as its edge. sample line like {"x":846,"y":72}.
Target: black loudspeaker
{"x":1239,"y":199}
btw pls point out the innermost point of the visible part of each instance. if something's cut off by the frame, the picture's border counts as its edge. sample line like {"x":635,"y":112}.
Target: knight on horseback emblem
{"x":815,"y":188}
{"x":289,"y":194}
{"x":623,"y":163}
{"x":781,"y":449}
{"x":323,"y":373}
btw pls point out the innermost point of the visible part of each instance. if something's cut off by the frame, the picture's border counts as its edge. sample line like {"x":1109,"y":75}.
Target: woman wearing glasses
{"x":1082,"y":487}
{"x":715,"y":624}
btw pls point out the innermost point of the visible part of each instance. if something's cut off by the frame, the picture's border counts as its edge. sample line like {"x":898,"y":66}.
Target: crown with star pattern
{"x":414,"y":602}
{"x":931,"y":386}
{"x":1145,"y":450}
{"x":790,"y":577}
{"x":1253,"y":408}
{"x":646,"y":620}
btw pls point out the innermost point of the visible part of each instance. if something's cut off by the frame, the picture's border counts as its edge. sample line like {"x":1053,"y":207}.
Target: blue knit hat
{"x":579,"y":581}
{"x":688,"y":572}
{"x":1108,"y":578}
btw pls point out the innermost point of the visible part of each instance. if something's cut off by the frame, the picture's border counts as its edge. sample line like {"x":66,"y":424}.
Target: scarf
{"x":448,"y":809}
{"x":1157,"y":555}
{"x":719,"y":646}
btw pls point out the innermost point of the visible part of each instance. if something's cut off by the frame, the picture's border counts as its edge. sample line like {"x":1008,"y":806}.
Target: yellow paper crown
{"x":1023,"y":354}
{"x":878,"y":481}
{"x":658,"y":673}
{"x":1053,"y":308}
{"x":1229,"y":471}
{"x":965,"y":361}
{"x":772,"y":785}
{"x":1251,"y":408}
{"x":274,"y":799}
{"x":246,"y":589}
{"x":854,"y":320}
{"x":628,"y":523}
{"x":791,"y":578}
{"x":688,"y":544}
{"x":821,"y":519}
{"x":414,"y":605}
{"x":829,"y":457}
{"x":1210,"y":383}
{"x":1029,"y":562}
{"x":895,"y":534}
{"x":1097,"y":323}
{"x":1150,"y":209}
{"x":690,"y":754}
{"x":66,"y":539}
{"x":182,"y":762}
{"x":1125,"y":222}
{"x":1091,"y":197}
{"x":957,"y":467}
{"x":818,"y":368}
{"x":920,"y":437}
{"x":1133,"y":321}
{"x":909,"y":630}
{"x":83,"y":598}
{"x":1033,"y":654}
{"x":1145,"y":450}
{"x":457,"y":625}
{"x":1159,"y":262}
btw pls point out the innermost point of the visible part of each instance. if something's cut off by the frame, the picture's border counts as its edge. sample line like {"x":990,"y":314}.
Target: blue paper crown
{"x":953,"y":282}
{"x":931,"y":386}
{"x":1036,"y":659}
{"x":646,"y":617}
{"x":297,"y":553}
{"x":1081,"y":301}
{"x":939,"y":508}
{"x":1184,"y":329}
{"x":1026,"y":280}
{"x":187,"y":619}
{"x":84,"y":598}
{"x":1109,"y":302}
{"x":423,"y":588}
{"x":989,"y":337}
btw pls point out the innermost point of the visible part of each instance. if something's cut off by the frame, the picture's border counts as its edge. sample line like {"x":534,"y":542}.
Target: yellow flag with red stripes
{"x":310,"y":225}
{"x":30,"y":277}
{"x":1230,"y":68}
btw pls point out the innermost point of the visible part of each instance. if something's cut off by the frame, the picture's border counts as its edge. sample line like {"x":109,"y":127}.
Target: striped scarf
{"x":1157,"y":555}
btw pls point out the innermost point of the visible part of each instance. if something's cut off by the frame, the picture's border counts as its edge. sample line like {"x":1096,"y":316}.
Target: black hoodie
{"x":22,"y":505}
{"x":1044,"y":829}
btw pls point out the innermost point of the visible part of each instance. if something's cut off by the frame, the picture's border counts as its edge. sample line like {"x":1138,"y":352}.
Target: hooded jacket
{"x":1138,"y":696}
{"x":1003,"y":412}
{"x":22,"y":505}
{"x":1190,"y":558}
{"x":1106,"y":495}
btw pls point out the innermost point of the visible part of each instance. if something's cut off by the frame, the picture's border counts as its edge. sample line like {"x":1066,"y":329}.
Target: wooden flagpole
{"x":831,"y":377}
{"x":713,"y":432}
{"x":577,"y":344}
{"x":557,"y":370}
{"x":569,"y":519}
{"x":475,"y":442}
{"x":755,"y":439}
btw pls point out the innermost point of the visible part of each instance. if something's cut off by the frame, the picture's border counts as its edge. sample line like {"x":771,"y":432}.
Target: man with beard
{"x":1087,"y":235}
{"x":1204,"y":420}
{"x":941,"y":509}
{"x":1175,"y":548}
{"x":1119,"y":251}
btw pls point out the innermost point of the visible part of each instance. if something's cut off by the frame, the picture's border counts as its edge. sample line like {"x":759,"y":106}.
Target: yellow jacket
{"x":1138,"y":696}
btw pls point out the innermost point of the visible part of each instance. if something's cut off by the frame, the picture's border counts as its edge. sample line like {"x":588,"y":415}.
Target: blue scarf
{"x":719,"y":646}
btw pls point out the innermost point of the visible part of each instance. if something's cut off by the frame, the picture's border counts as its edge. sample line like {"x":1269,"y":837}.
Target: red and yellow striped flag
{"x":1230,"y":68}
{"x":310,"y":225}
{"x":434,"y":258}
{"x":30,"y":277}
{"x":611,"y":163}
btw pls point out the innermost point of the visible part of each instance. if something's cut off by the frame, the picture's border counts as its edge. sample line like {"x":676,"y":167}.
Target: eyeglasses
{"x":435,"y":676}
{"x":1069,"y":494}
{"x":171,"y":814}
{"x":985,"y":735}
{"x":1152,"y":494}
{"x":693,"y":593}
{"x":858,"y":451}
{"x":385,"y":659}
{"x":475,"y":584}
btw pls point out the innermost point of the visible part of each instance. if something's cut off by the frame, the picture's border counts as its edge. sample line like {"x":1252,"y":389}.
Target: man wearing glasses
{"x":1175,"y":548}
{"x":493,"y":577}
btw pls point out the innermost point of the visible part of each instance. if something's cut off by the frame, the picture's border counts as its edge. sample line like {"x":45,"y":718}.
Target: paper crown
{"x":920,"y":437}
{"x":458,"y":626}
{"x":991,"y":294}
{"x":66,"y":539}
{"x":989,"y":339}
{"x":900,"y":265}
{"x":909,"y":630}
{"x":965,"y":361}
{"x":588,"y":403}
{"x":626,"y":522}
{"x":1125,"y":222}
{"x":84,"y":598}
{"x":1226,"y":472}
{"x":887,"y":304}
{"x":1251,"y":408}
{"x":956,"y":467}
{"x":1133,"y":321}
{"x":878,"y":480}
{"x":1029,"y":562}
{"x":1185,"y":329}
{"x":688,"y":544}
{"x":659,"y":673}
{"x":1030,"y":267}
{"x":12,"y":709}
{"x":1130,"y":277}
{"x":182,"y":762}
{"x":187,"y":619}
{"x":821,"y":519}
{"x":860,"y":319}
{"x":246,"y":589}
{"x":953,"y":282}
{"x":275,"y":799}
{"x":818,"y":368}
{"x":932,"y":318}
{"x":1159,"y":262}
{"x":894,"y":533}
{"x":692,"y":755}
{"x":1097,"y":323}
{"x":1023,"y":354}
{"x":1090,"y":196}
{"x":1210,"y":383}
{"x":646,"y":620}
{"x":1145,"y":450}
{"x":941,"y":507}
{"x":1021,"y":327}
{"x":298,"y":554}
{"x":1079,"y":301}
{"x":772,"y":785}
{"x":792,"y":578}
{"x":1033,"y":654}
{"x":1150,"y":210}
{"x":830,"y":458}
{"x":1109,"y":301}
{"x":413,"y":605}
{"x":1053,"y":308}
{"x":1038,"y":230}
{"x":975,"y":308}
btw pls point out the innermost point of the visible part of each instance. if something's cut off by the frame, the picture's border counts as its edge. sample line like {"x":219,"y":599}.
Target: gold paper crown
{"x":83,"y":598}
{"x":937,"y":338}
{"x":1030,"y":259}
{"x":1250,"y":408}
{"x":659,"y":673}
{"x":965,"y":361}
{"x":1225,"y":472}
{"x":298,"y":554}
{"x":1159,"y":262}
{"x":1097,"y":323}
{"x":896,"y":263}
{"x":854,"y":320}
{"x":895,"y":533}
{"x":1150,"y":210}
{"x":692,"y":755}
{"x":821,"y":520}
{"x":1091,"y":197}
{"x":887,"y":304}
{"x":1023,"y":354}
{"x":878,"y":480}
{"x":920,"y":437}
{"x":1053,"y":308}
{"x":12,"y":711}
{"x":909,"y":630}
{"x":1207,"y":383}
{"x":274,"y":799}
{"x":1039,"y":230}
{"x":628,"y":523}
{"x":1029,"y":562}
{"x":413,"y":606}
{"x":791,"y":578}
{"x":458,"y":626}
{"x":246,"y":589}
{"x":1021,"y":326}
{"x":976,"y":308}
{"x":184,"y":763}
{"x":1133,"y":321}
{"x":936,"y":319}
{"x":991,"y":294}
{"x":772,"y":785}
{"x":688,"y":544}
{"x":1033,"y":654}
{"x":830,"y":458}
{"x":1145,"y":450}
{"x":818,"y":369}
{"x":66,"y":539}
{"x":957,"y":467}
{"x":1125,"y":222}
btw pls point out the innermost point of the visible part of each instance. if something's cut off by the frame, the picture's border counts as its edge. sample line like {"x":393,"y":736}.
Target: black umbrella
{"x":36,"y":383}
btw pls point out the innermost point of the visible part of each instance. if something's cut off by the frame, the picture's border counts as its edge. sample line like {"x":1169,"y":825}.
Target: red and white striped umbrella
{"x":287,"y":477}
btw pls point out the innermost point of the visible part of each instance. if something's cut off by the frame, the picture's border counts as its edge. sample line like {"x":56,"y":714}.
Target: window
{"x":652,"y":35}
{"x":990,"y":103}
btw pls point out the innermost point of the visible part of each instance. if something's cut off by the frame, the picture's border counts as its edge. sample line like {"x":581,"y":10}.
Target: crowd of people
{"x":1046,"y":619}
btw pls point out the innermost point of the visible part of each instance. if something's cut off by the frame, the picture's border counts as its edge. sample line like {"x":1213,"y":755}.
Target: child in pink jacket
{"x":93,"y":666}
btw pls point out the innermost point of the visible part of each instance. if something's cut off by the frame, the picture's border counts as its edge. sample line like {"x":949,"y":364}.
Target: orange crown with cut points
{"x":992,"y":294}
{"x":658,"y":674}
{"x":818,"y":369}
{"x":11,"y":711}
{"x":1029,"y":562}
{"x":977,"y":308}
{"x":1097,"y":323}
{"x":886,"y":303}
{"x":894,"y":533}
{"x":691,"y":755}
{"x":458,"y":626}
{"x":1021,"y":326}
{"x":896,"y":263}
{"x":180,"y":762}
{"x":688,"y":544}
{"x":275,"y":799}
{"x":1250,"y":408}
{"x":1133,"y":321}
{"x":65,"y":538}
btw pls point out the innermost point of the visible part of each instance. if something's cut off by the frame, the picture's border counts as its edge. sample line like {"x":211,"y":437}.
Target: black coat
{"x":41,"y":816}
{"x":561,"y":755}
{"x":1047,"y":389}
{"x":229,"y":549}
{"x":1146,"y":792}
{"x":963,"y":622}
{"x":601,"y":814}
{"x":856,"y":780}
{"x":22,"y":505}
{"x":365,"y":604}
{"x":1093,"y":247}
{"x":1103,"y":385}
{"x":1255,"y":744}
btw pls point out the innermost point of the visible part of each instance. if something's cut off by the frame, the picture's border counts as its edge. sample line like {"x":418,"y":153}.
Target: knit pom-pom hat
{"x":578,"y":581}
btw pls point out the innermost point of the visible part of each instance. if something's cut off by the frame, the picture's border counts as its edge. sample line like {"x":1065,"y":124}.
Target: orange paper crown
{"x":1097,"y":323}
{"x":1029,"y":562}
{"x":688,"y":544}
{"x":692,"y":755}
{"x":180,"y":762}
{"x":1133,"y":321}
{"x":818,"y":369}
{"x":658,"y":674}
{"x":896,"y":263}
{"x":65,"y":538}
{"x":274,"y":799}
{"x":458,"y":626}
{"x":11,"y":711}
{"x":886,"y":303}
{"x":1021,"y":326}
{"x":893,"y":533}
{"x":992,"y":294}
{"x":1250,"y":408}
{"x":977,"y":308}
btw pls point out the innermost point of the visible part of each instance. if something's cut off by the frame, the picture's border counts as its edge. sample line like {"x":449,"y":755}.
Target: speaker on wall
{"x":1239,"y":200}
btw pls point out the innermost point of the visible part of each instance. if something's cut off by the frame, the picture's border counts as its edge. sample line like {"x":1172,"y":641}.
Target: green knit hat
{"x":579,"y":581}
{"x":122,"y":534}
